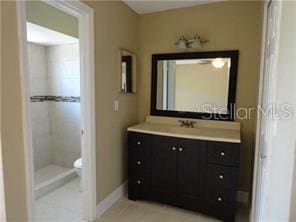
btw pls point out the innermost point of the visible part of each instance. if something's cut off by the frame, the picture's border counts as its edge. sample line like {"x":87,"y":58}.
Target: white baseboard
{"x":111,"y":199}
{"x":242,"y":197}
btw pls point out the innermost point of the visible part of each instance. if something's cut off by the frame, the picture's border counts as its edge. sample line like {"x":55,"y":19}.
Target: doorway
{"x":59,"y":117}
{"x":55,"y":122}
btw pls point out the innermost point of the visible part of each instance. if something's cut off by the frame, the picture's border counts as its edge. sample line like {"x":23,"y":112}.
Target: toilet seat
{"x":78,"y":163}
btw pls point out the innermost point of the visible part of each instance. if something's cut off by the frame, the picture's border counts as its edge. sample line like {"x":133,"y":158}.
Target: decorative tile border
{"x":70,"y":99}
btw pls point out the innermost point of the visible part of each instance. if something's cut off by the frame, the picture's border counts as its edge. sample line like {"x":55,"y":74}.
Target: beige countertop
{"x":198,"y":132}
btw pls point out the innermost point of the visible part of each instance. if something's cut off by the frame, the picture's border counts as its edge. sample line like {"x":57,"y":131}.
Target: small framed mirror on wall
{"x":128,"y":69}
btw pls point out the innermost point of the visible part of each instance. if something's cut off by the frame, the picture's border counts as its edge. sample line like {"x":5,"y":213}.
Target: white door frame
{"x":258,"y":127}
{"x":85,"y":16}
{"x":2,"y":193}
{"x":262,"y":156}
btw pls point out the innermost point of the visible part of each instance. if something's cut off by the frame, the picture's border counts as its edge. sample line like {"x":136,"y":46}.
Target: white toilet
{"x":78,"y":166}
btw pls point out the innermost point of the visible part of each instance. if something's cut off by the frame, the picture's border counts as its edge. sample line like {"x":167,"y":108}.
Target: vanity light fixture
{"x":194,"y":43}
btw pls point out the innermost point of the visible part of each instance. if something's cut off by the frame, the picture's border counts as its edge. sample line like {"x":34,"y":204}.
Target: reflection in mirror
{"x":127,"y":72}
{"x":188,"y":85}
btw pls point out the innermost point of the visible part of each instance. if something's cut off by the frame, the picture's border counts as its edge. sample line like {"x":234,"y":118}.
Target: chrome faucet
{"x":187,"y":123}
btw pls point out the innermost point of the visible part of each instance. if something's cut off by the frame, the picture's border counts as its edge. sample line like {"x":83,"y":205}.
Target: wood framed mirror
{"x":199,"y":85}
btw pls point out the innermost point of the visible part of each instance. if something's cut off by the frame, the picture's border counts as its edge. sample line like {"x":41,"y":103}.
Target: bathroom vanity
{"x":192,"y":168}
{"x":195,"y":164}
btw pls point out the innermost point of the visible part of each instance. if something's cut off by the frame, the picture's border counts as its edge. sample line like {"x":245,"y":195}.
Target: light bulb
{"x":195,"y":44}
{"x":182,"y":43}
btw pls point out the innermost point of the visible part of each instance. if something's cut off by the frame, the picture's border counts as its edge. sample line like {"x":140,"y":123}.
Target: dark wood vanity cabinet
{"x":163,"y":168}
{"x":193,"y":174}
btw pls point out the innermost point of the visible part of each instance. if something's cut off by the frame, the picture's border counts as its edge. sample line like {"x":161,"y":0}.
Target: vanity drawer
{"x":221,"y":177}
{"x":220,"y":198}
{"x":222,"y":204}
{"x":140,"y":151}
{"x":139,"y":186}
{"x":223,"y":153}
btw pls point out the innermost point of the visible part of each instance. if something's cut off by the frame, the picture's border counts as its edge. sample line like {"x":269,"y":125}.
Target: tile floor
{"x":62,"y":205}
{"x":125,"y":210}
{"x":48,"y":172}
{"x":65,"y":205}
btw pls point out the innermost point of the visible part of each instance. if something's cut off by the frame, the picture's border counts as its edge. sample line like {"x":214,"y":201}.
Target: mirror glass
{"x":193,"y":85}
{"x":127,"y":72}
{"x":198,"y":85}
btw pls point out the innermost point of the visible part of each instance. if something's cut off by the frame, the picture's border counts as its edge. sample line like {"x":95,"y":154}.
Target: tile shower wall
{"x":56,"y":124}
{"x":64,"y":80}
{"x":40,"y":111}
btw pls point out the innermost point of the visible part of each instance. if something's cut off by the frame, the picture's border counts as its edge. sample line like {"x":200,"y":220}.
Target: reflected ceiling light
{"x":218,"y":63}
{"x":194,"y":43}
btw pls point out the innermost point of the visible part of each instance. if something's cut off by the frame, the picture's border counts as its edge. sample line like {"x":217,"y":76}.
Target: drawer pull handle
{"x":220,"y":199}
{"x":222,"y":153}
{"x":173,"y":148}
{"x":139,"y":143}
{"x":180,"y":149}
{"x":139,"y":162}
{"x":139,"y":182}
{"x":221,"y":176}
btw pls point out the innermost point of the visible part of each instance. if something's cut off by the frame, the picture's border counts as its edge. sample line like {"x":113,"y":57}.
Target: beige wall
{"x":11,"y":117}
{"x":116,"y":26}
{"x":228,"y":25}
{"x":50,"y":17}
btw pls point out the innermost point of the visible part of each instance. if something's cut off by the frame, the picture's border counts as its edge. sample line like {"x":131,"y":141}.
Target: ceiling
{"x":145,"y":6}
{"x":44,"y":36}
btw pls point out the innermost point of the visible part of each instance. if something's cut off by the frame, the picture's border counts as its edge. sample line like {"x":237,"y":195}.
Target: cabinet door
{"x":191,"y":170}
{"x":163,"y":168}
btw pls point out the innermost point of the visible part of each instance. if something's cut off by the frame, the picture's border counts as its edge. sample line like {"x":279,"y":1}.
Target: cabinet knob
{"x":221,"y":176}
{"x":173,"y":148}
{"x":139,"y":182}
{"x":219,"y":199}
{"x":180,"y":149}
{"x":139,"y":162}
{"x":139,"y":143}
{"x":222,"y":153}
